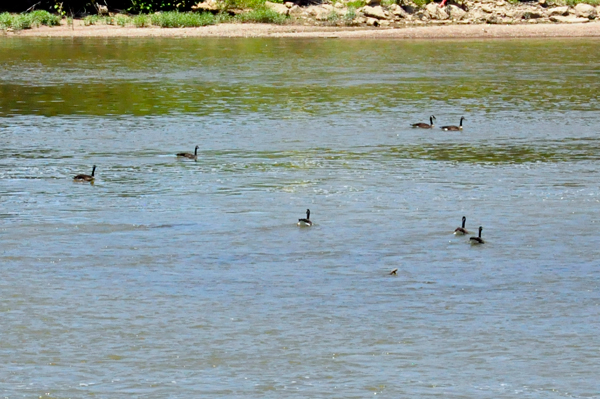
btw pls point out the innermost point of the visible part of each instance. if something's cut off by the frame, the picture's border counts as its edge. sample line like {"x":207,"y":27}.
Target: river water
{"x":181,"y":279}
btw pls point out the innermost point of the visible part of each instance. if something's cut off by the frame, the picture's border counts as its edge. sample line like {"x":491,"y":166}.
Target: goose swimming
{"x":461,"y":230}
{"x":83,"y":178}
{"x":425,"y":125}
{"x":188,"y":155}
{"x":453,"y":128}
{"x":305,"y":222}
{"x":477,"y":240}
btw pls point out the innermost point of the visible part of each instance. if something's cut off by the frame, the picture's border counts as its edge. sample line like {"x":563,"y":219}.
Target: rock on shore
{"x":454,"y":12}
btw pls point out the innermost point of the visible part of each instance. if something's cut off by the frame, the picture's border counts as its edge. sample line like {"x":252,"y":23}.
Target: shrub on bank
{"x":141,"y":21}
{"x":247,"y":4}
{"x":174,"y":19}
{"x":261,"y":15}
{"x":29,"y":20}
{"x":149,"y":6}
{"x":573,"y":3}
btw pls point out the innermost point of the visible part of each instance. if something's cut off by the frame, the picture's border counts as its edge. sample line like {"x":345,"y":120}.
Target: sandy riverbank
{"x":478,"y":31}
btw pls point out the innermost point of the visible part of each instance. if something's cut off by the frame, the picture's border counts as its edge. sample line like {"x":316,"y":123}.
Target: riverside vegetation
{"x":28,"y":20}
{"x":384,"y":13}
{"x":167,"y":19}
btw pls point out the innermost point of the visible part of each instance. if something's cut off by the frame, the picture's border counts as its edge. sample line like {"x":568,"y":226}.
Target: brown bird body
{"x":83,"y":178}
{"x":454,"y":128}
{"x":425,"y":125}
{"x":461,"y":230}
{"x":477,"y":240}
{"x":188,"y":155}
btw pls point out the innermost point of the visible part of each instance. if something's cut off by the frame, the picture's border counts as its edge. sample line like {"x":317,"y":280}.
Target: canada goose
{"x":477,"y":240}
{"x":461,"y":230}
{"x":454,"y":128}
{"x":188,"y":155}
{"x":394,"y":272}
{"x":305,"y":222}
{"x":425,"y":125}
{"x":84,"y":178}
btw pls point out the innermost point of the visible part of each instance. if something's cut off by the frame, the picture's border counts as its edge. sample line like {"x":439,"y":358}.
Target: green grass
{"x":348,"y":19}
{"x":261,"y":15}
{"x":573,"y":3}
{"x":223,"y":17}
{"x":119,"y":19}
{"x":91,"y":20}
{"x":421,"y":3}
{"x":356,"y":4}
{"x":174,"y":19}
{"x":570,"y":3}
{"x":41,"y":17}
{"x":141,"y":21}
{"x":169,"y":19}
{"x":29,"y":20}
{"x":122,"y":20}
{"x":248,"y":4}
{"x":333,"y":18}
{"x":6,"y":20}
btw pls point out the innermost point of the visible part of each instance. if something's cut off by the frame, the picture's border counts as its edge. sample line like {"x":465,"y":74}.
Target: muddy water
{"x":181,"y":278}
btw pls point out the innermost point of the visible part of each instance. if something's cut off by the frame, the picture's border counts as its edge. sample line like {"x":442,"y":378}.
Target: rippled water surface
{"x":182,"y":279}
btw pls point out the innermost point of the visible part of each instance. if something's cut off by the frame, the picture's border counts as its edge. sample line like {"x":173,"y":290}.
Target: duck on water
{"x":477,"y":240}
{"x":193,"y":156}
{"x":461,"y":230}
{"x":422,"y":125}
{"x":85,"y":178}
{"x":454,"y":128}
{"x":305,"y":222}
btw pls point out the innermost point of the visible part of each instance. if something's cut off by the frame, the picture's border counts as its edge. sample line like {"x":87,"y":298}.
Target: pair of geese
{"x":89,"y":178}
{"x":459,"y":231}
{"x":451,"y":128}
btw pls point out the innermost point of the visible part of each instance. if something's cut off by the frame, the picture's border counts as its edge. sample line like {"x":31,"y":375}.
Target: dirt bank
{"x":452,"y":31}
